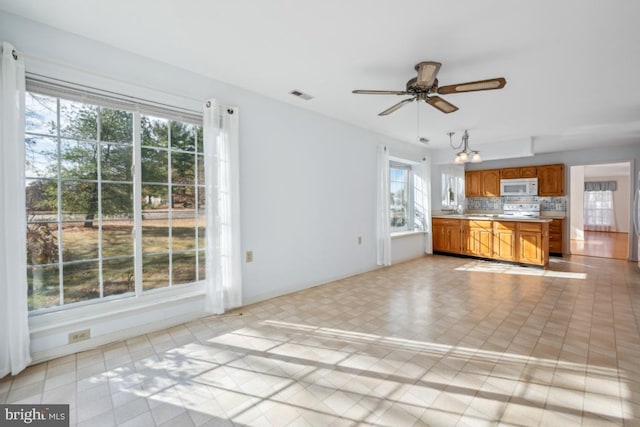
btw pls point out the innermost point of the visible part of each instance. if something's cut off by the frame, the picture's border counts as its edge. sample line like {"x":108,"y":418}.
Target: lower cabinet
{"x":477,"y":238}
{"x":515,"y":241}
{"x":556,"y":234}
{"x":504,"y":240}
{"x":447,"y":235}
{"x":533,"y":243}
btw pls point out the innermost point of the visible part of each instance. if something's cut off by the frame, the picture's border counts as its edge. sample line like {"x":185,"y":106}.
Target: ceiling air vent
{"x":302,"y":95}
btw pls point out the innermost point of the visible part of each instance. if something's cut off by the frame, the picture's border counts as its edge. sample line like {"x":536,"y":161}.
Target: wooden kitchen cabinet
{"x":447,"y":235}
{"x":556,"y":237}
{"x":521,"y":172}
{"x":504,"y":240}
{"x":551,"y":180}
{"x":473,"y":184}
{"x":531,"y":243}
{"x":491,"y":183}
{"x":477,"y":238}
{"x":482,"y":183}
{"x":525,"y":242}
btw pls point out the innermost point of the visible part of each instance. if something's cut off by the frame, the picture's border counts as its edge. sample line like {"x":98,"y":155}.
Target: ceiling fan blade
{"x":396,"y":106}
{"x":380,"y":92}
{"x":441,"y":104}
{"x":490,"y":84}
{"x":427,"y":72}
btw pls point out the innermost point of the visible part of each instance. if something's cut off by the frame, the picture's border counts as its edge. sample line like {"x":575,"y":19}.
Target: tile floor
{"x":439,"y":341}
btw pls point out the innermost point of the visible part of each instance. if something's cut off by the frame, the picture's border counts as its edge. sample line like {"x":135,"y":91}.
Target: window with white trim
{"x":401,"y":193}
{"x":115,"y":198}
{"x":452,"y":178}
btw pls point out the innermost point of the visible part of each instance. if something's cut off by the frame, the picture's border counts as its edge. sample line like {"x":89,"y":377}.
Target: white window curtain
{"x":598,"y":211}
{"x":14,"y":312}
{"x":422,"y":190}
{"x":383,"y":227}
{"x":221,"y":149}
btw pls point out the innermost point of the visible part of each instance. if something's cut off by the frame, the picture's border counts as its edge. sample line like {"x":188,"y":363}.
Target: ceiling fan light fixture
{"x":427,"y":72}
{"x":425,"y":84}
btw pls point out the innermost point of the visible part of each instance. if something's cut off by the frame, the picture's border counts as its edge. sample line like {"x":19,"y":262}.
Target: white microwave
{"x":519,"y":187}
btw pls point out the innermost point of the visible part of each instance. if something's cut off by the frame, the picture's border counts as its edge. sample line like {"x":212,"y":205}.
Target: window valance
{"x":600,"y":186}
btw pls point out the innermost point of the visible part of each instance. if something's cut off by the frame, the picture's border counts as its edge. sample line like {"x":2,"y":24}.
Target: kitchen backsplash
{"x":495,"y":203}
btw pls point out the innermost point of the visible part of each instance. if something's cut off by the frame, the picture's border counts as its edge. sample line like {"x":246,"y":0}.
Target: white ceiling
{"x":572,"y":66}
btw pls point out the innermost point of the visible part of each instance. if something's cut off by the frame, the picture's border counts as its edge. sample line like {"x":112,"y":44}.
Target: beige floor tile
{"x":434,"y":341}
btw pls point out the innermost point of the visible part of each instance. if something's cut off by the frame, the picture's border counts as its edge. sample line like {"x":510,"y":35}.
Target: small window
{"x":401,"y":196}
{"x":452,"y":187}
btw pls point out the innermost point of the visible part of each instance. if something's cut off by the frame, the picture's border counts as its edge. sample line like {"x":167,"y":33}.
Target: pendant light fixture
{"x":466,"y":155}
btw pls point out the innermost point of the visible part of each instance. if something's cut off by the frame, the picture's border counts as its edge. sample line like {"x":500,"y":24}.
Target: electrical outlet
{"x":76,"y":336}
{"x":249,"y":256}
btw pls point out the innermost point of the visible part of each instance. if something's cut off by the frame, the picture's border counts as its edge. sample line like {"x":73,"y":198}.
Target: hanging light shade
{"x":466,"y":155}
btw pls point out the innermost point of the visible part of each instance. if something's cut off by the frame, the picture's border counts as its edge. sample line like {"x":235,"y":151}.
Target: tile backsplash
{"x":495,"y":203}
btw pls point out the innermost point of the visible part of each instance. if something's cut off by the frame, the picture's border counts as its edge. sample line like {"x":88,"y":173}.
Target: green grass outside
{"x":82,"y":280}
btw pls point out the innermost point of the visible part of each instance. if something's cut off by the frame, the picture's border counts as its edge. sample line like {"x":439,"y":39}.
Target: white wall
{"x":307,"y":181}
{"x":576,"y":206}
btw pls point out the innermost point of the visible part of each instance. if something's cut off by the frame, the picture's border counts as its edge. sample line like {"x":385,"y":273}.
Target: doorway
{"x":600,"y":206}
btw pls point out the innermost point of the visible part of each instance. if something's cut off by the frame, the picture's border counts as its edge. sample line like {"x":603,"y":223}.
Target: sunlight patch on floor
{"x":490,"y":267}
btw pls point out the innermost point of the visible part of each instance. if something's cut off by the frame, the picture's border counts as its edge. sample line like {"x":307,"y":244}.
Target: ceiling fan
{"x":424,"y":87}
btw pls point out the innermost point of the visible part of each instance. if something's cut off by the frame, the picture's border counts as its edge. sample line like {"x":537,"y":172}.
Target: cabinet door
{"x":510,"y":173}
{"x":478,"y":239}
{"x":473,"y":184}
{"x":454,"y":239}
{"x":528,"y":172}
{"x":533,"y":243}
{"x":439,"y":242}
{"x":504,"y":240}
{"x":491,"y":183}
{"x":530,"y":247}
{"x":551,"y":180}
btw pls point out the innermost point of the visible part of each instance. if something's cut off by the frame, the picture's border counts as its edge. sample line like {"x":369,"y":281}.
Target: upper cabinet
{"x":522,"y":172}
{"x":486,"y":183}
{"x":551,"y":180}
{"x":483,"y":183}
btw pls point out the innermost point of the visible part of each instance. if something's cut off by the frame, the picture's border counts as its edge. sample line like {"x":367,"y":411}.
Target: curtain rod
{"x":102,"y":76}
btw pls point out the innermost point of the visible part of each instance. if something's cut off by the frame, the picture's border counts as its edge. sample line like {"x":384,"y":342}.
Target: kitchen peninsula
{"x":519,"y":240}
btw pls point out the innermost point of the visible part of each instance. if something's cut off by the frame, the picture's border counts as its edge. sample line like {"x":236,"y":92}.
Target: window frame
{"x":410,"y":190}
{"x":446,"y":191}
{"x":137,"y":108}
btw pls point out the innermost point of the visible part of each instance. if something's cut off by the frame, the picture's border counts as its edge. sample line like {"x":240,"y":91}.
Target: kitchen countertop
{"x":492,"y":217}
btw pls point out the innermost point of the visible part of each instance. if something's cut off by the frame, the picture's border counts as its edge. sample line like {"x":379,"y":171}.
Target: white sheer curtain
{"x":221,"y":149}
{"x":383,"y":227}
{"x":422,"y":190}
{"x":14,"y":312}
{"x":598,"y":211}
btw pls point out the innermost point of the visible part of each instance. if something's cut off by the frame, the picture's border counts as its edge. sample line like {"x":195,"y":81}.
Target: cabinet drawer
{"x":555,"y":226}
{"x":555,"y":246}
{"x":483,"y":224}
{"x":530,"y":226}
{"x":443,"y":221}
{"x":505,"y":225}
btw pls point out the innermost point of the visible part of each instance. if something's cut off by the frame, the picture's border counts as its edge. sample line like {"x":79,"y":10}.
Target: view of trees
{"x":84,"y":161}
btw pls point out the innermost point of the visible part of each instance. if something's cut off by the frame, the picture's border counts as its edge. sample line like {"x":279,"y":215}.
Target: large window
{"x":598,"y":211}
{"x":98,"y":180}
